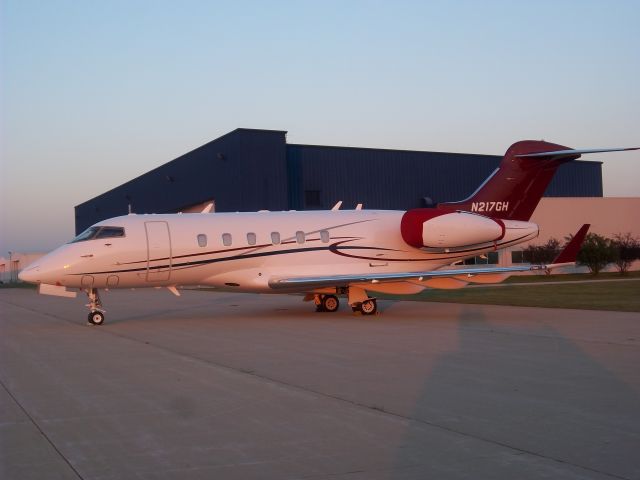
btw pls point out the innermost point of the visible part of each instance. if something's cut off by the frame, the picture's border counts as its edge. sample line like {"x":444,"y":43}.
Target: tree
{"x":542,"y":254}
{"x":626,"y":249}
{"x":596,"y":252}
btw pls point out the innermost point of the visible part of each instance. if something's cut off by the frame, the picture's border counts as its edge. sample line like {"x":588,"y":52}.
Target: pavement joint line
{"x":369,"y":408}
{"x":41,"y":431}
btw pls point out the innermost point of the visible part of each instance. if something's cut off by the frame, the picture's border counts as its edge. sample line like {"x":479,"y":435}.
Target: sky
{"x":95,"y":93}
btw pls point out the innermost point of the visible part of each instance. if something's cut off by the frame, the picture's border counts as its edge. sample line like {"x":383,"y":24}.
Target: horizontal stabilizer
{"x":571,"y":153}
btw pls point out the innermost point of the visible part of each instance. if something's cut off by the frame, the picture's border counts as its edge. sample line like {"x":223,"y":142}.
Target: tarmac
{"x":236,"y":386}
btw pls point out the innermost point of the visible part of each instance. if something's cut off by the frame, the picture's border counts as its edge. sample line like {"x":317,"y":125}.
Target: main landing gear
{"x":96,"y":312}
{"x":368,"y":307}
{"x":326,"y":303}
{"x":330,"y":303}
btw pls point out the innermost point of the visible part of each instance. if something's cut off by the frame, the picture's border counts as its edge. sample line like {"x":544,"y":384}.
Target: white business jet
{"x":323,"y":254}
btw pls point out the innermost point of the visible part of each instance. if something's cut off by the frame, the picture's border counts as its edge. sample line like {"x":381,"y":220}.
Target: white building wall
{"x":10,"y":266}
{"x":559,"y":217}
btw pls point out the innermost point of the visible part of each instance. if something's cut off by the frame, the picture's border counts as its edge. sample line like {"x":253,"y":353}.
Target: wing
{"x":346,"y":280}
{"x":566,"y":257}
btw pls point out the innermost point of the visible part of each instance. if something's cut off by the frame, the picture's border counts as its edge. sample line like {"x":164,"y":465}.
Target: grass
{"x":570,"y":277}
{"x":617,"y":296}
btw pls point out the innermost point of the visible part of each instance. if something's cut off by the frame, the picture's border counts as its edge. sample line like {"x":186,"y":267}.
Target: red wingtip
{"x":570,"y":252}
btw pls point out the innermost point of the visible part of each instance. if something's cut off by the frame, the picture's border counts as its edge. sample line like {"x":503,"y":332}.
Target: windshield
{"x":93,"y":233}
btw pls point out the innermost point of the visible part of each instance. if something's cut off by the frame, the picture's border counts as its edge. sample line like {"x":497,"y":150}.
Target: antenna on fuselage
{"x":359,"y":206}
{"x":208,"y":208}
{"x":337,"y":206}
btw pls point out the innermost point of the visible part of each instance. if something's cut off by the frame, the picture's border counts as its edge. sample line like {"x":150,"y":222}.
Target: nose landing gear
{"x":96,"y":312}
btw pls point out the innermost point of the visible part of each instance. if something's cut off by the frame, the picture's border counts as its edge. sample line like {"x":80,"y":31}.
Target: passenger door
{"x":159,"y":260}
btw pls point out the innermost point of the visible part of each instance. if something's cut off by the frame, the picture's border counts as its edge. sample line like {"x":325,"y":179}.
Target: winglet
{"x":569,"y":253}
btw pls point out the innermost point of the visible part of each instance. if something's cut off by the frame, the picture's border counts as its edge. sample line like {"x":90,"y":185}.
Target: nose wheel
{"x":96,"y":312}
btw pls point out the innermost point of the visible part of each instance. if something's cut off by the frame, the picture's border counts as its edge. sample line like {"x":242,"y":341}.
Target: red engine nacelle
{"x":437,"y":229}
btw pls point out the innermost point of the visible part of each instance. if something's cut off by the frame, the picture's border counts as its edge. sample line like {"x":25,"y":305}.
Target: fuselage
{"x":241,"y":251}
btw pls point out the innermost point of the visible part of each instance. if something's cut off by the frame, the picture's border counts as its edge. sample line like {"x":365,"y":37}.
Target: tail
{"x":514,"y":189}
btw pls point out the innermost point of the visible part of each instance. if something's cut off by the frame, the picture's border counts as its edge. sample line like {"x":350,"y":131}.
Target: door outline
{"x":156,"y":240}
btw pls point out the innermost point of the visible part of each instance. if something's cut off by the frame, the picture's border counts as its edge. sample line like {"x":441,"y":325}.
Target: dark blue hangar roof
{"x":248,"y":170}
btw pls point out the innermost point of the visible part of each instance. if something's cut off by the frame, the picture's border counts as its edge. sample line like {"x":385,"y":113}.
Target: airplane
{"x":322,"y":254}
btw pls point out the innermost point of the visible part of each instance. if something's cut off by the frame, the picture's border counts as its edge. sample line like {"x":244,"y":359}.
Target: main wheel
{"x":369,"y":307}
{"x":330,"y":303}
{"x":96,"y":318}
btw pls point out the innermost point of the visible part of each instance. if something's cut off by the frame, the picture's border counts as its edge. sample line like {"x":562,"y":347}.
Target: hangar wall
{"x":401,"y":179}
{"x":243,"y":170}
{"x":249,"y":170}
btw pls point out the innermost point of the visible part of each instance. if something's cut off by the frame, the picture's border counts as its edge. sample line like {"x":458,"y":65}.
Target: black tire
{"x":96,"y":318}
{"x":330,"y":303}
{"x":369,"y":307}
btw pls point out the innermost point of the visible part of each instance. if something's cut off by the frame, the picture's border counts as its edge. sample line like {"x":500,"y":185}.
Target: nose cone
{"x":30,"y":274}
{"x":48,"y":269}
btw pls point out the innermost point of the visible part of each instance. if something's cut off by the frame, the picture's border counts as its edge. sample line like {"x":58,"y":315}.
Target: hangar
{"x":250,"y":169}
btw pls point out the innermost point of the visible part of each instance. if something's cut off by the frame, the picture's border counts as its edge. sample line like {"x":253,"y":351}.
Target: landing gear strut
{"x":326,"y":303}
{"x":96,"y":312}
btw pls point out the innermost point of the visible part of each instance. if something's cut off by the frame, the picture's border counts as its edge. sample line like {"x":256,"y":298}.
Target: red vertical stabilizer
{"x":514,"y":189}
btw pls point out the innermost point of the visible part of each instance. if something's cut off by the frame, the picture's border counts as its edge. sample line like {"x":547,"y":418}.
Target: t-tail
{"x":515,"y":188}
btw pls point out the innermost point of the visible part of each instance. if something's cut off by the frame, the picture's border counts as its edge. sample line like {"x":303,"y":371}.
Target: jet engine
{"x":428,"y":228}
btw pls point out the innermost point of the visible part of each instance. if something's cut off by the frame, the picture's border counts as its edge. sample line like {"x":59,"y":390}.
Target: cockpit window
{"x":109,"y":232}
{"x":93,"y":233}
{"x":88,"y":234}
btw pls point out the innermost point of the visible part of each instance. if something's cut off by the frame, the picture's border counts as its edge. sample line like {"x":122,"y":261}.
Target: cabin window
{"x":202,"y":240}
{"x":275,"y":238}
{"x":251,"y":238}
{"x":300,"y":237}
{"x":324,"y":236}
{"x":226,"y":239}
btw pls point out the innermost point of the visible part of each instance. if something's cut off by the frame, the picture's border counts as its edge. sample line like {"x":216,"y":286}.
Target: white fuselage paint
{"x":164,"y":250}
